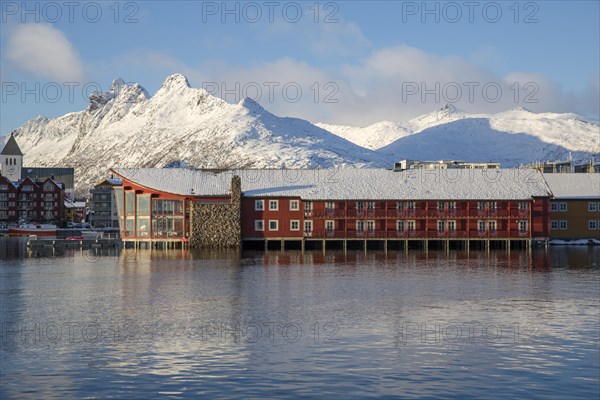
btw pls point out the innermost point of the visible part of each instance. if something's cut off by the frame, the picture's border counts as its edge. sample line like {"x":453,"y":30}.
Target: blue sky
{"x":349,"y":62}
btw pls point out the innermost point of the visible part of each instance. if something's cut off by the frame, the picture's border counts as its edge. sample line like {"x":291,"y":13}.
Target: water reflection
{"x":131,"y":324}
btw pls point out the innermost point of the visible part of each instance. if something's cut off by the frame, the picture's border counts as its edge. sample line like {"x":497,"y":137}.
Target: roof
{"x":76,"y":204}
{"x":11,"y":148}
{"x":348,"y":183}
{"x":574,"y":185}
{"x":109,"y":181}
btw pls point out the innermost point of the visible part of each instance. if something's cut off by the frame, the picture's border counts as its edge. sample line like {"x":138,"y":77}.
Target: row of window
{"x":401,"y":225}
{"x":47,"y":203}
{"x":592,"y":206}
{"x":563,"y":225}
{"x":12,"y":195}
{"x":259,"y":205}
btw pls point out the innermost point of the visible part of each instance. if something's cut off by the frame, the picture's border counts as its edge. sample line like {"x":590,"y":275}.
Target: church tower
{"x":11,"y":160}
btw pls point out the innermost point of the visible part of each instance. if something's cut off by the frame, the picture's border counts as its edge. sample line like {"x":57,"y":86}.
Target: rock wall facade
{"x":218,"y":225}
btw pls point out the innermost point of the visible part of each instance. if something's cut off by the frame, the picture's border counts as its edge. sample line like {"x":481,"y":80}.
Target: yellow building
{"x":575,"y":206}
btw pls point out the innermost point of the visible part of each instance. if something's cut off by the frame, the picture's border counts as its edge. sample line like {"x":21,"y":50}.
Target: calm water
{"x":286,"y":325}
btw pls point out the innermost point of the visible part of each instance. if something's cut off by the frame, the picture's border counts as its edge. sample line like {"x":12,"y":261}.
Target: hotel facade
{"x":335,"y":208}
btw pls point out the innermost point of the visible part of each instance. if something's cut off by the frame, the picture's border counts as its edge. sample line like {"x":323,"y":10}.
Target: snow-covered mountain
{"x":383,"y":133}
{"x":514,"y":137}
{"x":180,"y":125}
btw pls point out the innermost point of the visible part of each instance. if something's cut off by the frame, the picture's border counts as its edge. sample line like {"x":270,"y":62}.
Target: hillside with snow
{"x":514,"y":137}
{"x":180,"y":126}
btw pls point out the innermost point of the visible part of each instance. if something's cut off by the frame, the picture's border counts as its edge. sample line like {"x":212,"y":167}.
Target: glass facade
{"x":119,"y":200}
{"x":141,"y":216}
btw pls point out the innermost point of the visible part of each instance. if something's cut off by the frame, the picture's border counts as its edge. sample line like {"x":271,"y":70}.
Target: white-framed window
{"x":451,"y":226}
{"x":523,"y":205}
{"x":400,"y":225}
{"x":294,"y":205}
{"x":273,"y":205}
{"x":554,"y":224}
{"x":592,"y":225}
{"x":294,"y":225}
{"x":308,"y":206}
{"x":360,"y":205}
{"x":481,"y":226}
{"x":329,"y":205}
{"x":371,"y":226}
{"x":553,"y":206}
{"x":592,"y":207}
{"x":562,"y":207}
{"x":360,"y":225}
{"x":492,"y":225}
{"x":441,"y":226}
{"x":523,"y":226}
{"x":440,"y":205}
{"x":308,"y":226}
{"x":259,"y":225}
{"x":451,"y":205}
{"x":273,"y":225}
{"x":493,"y":205}
{"x":562,"y":224}
{"x":399,"y":205}
{"x":412,"y":225}
{"x":481,"y":205}
{"x":411,"y":205}
{"x":371,"y":205}
{"x":259,"y":205}
{"x":329,"y":225}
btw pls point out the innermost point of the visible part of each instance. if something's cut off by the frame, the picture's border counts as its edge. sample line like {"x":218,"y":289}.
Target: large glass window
{"x":130,"y":227}
{"x":143,"y":226}
{"x":130,"y":203}
{"x":167,"y":226}
{"x":143,"y":204}
{"x":167,"y":207}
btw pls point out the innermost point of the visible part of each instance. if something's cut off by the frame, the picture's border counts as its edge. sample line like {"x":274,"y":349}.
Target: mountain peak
{"x":448,"y":109}
{"x":175,"y":81}
{"x":251,"y":105}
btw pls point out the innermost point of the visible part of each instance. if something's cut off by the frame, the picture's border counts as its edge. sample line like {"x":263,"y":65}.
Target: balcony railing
{"x":417,"y":234}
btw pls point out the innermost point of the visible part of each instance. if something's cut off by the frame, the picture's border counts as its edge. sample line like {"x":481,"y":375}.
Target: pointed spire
{"x":11,"y":148}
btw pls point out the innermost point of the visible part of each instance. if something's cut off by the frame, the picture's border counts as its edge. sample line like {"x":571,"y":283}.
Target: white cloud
{"x":44,"y":51}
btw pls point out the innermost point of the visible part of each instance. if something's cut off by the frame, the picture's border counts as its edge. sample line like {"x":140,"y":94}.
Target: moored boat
{"x":33,"y":229}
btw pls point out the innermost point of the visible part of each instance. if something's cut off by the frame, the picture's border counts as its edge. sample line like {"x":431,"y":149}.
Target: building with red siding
{"x":339,"y":207}
{"x":27,"y":200}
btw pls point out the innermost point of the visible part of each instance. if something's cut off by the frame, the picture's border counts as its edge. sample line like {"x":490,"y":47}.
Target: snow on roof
{"x":348,"y":183}
{"x":575,"y":185}
{"x":74,"y":204}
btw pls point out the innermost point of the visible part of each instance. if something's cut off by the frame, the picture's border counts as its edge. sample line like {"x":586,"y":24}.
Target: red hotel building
{"x":338,"y":207}
{"x":31,"y":201}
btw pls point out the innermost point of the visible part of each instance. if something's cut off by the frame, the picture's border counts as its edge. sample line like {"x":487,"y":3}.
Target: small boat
{"x":75,"y":238}
{"x":33,"y":229}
